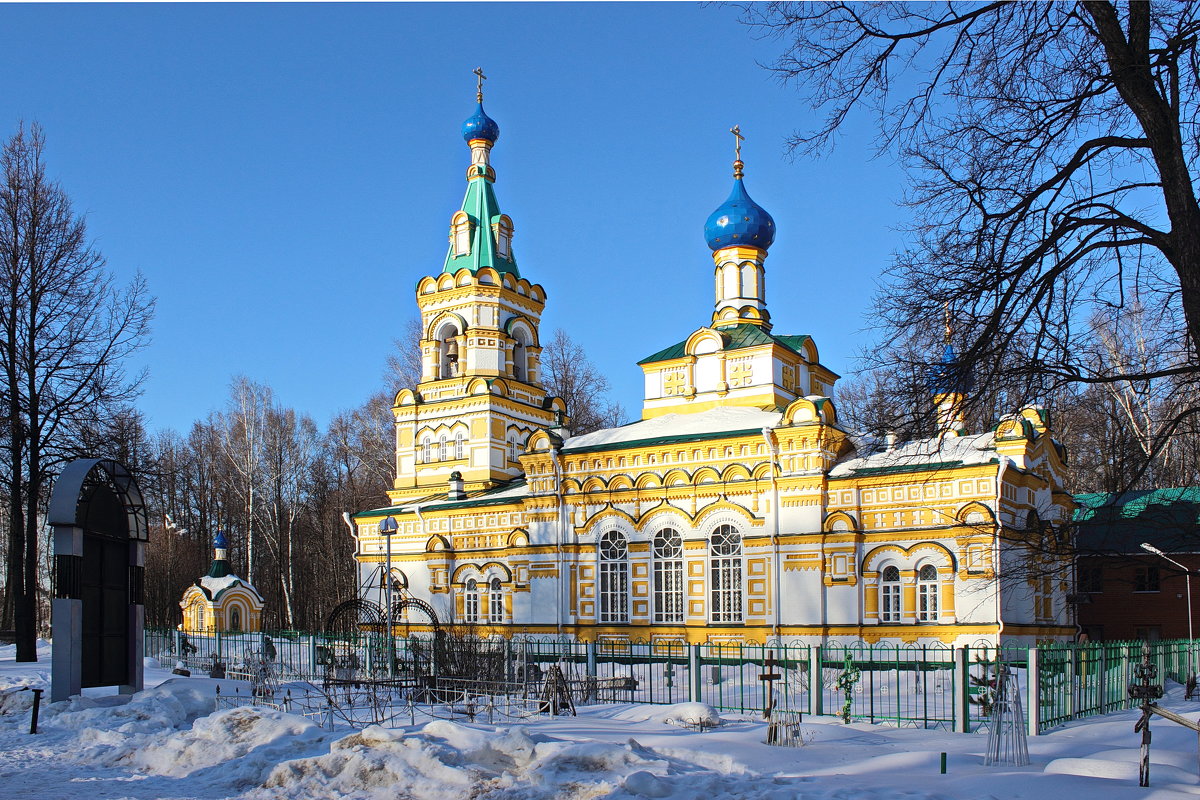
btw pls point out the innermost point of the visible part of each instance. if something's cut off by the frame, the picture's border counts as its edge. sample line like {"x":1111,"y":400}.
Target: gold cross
{"x":736,"y":130}
{"x":949,"y":330}
{"x":479,"y":88}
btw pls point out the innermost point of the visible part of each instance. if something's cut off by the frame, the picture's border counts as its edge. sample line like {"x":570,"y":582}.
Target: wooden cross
{"x":770,"y":676}
{"x":479,"y":87}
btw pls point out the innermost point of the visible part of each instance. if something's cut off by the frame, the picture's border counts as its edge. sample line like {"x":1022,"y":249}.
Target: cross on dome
{"x":479,"y":87}
{"x":736,"y":130}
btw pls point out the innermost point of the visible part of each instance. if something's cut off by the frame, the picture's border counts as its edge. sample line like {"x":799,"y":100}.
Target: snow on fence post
{"x":1033,"y":680}
{"x":178,"y":637}
{"x":814,"y":680}
{"x":962,"y":692}
{"x":694,"y":673}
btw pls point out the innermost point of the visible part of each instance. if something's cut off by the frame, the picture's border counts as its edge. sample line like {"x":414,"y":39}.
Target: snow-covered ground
{"x":167,"y":742}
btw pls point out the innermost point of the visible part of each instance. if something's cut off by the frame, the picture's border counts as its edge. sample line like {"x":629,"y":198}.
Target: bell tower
{"x":480,"y":395}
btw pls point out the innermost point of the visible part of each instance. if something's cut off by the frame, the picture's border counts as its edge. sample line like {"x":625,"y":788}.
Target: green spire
{"x":487,"y":227}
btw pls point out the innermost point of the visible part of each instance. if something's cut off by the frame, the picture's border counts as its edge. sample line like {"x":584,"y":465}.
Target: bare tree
{"x":403,"y":367}
{"x":290,"y":442}
{"x":568,"y":373}
{"x":1052,"y":148}
{"x":65,"y":329}
{"x":242,"y":431}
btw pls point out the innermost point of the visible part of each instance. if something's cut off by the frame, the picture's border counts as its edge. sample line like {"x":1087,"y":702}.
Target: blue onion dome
{"x":480,"y":126}
{"x":219,"y":542}
{"x":949,"y":375}
{"x":739,"y":221}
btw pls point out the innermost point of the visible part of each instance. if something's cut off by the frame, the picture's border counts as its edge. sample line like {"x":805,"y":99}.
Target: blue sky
{"x":283,"y":175}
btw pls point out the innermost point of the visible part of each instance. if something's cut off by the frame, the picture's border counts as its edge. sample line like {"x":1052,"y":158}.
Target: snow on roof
{"x":949,"y":450}
{"x":214,"y":586}
{"x":713,"y":421}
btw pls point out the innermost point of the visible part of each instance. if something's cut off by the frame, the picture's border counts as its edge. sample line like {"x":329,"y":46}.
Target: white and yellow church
{"x":736,"y":510}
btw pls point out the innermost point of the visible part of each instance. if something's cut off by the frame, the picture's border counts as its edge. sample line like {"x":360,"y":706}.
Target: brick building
{"x":1125,"y":592}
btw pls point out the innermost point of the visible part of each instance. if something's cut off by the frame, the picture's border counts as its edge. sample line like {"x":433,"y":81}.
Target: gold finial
{"x":949,"y":330}
{"x":736,"y":130}
{"x":480,"y":78}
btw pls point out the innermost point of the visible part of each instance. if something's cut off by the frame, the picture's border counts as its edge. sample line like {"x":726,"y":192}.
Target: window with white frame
{"x":459,"y":440}
{"x":725,"y":551}
{"x":495,"y":601}
{"x":889,"y":595}
{"x":927,"y":594}
{"x":668,"y":576}
{"x":426,"y":451}
{"x":471,"y":601}
{"x":442,"y":455}
{"x":512,"y":447}
{"x":613,"y":553}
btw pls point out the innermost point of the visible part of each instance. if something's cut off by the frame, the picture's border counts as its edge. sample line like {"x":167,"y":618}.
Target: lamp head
{"x":1149,"y":548}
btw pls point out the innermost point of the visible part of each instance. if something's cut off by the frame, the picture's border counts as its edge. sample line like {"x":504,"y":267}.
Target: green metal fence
{"x":907,"y":685}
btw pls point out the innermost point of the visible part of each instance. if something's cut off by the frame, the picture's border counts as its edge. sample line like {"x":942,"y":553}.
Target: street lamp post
{"x":1187,"y":576}
{"x":387,"y":527}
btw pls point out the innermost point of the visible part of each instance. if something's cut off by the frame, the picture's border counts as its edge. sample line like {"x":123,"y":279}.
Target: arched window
{"x":199,"y":617}
{"x":614,"y":577}
{"x":427,"y":451}
{"x":460,"y":234}
{"x":518,"y":359}
{"x":471,"y":601}
{"x":442,"y":448}
{"x":512,"y":447}
{"x":504,"y":231}
{"x":668,"y":576}
{"x":495,"y":601}
{"x":889,"y":595}
{"x":459,"y":439}
{"x":235,"y":619}
{"x":449,"y":352}
{"x":927,"y":594}
{"x":725,"y":550}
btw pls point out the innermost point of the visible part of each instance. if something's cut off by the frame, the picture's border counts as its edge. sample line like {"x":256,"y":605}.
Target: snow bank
{"x":689,"y":715}
{"x":448,"y":761}
{"x":245,"y":743}
{"x":1119,"y":770}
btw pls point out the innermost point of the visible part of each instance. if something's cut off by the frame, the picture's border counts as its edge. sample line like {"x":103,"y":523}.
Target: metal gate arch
{"x":97,"y":614}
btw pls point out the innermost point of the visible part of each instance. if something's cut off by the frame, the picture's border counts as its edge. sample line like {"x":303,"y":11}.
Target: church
{"x":737,"y":510}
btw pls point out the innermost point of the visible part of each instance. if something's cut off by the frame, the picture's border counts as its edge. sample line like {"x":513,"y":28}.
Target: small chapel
{"x":220,"y":601}
{"x":736,"y":510}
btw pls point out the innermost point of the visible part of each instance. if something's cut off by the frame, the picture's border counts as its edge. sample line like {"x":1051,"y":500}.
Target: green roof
{"x":899,"y":468}
{"x":1118,"y":523}
{"x":656,"y":440}
{"x":735,"y":337}
{"x":482,"y":497}
{"x":481,"y":206}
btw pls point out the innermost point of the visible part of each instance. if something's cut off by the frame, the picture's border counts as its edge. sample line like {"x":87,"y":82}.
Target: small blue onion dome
{"x":739,"y":221}
{"x":948,"y":375}
{"x":219,"y":542}
{"x":480,"y":126}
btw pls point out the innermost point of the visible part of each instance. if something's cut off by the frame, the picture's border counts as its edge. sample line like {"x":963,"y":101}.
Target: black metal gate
{"x":105,"y":589}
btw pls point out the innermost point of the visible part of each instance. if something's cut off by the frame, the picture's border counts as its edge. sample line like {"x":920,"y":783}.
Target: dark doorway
{"x":105,"y":587}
